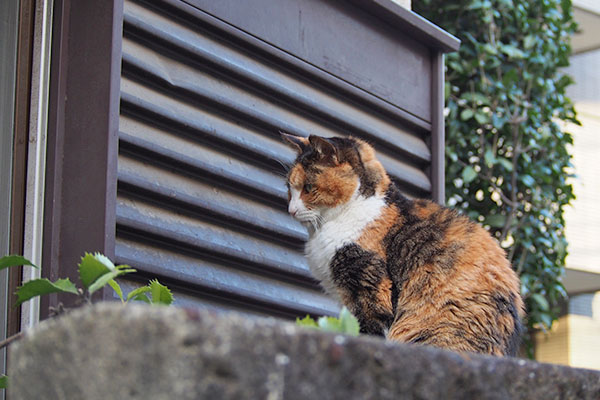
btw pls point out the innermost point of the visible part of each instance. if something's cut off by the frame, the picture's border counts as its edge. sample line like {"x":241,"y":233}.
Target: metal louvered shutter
{"x":201,"y":189}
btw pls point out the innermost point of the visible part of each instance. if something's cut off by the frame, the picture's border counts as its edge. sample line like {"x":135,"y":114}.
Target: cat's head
{"x":331,"y":172}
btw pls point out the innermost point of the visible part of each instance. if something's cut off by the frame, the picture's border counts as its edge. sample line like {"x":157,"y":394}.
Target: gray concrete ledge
{"x":139,"y":352}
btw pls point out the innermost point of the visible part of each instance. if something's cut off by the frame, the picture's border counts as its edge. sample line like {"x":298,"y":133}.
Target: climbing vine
{"x":507,"y":163}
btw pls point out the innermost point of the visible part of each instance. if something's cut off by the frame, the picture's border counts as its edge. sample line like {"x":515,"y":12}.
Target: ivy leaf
{"x":529,"y":41}
{"x":477,"y":4}
{"x":96,"y":270}
{"x":476,"y":98}
{"x":489,"y":158}
{"x":505,"y":163}
{"x":15,"y":261}
{"x":542,"y":302}
{"x":512,"y":51}
{"x":469,"y":174}
{"x":3,"y":381}
{"x":481,"y":118}
{"x":142,"y":297}
{"x":104,"y":260}
{"x":498,"y":121}
{"x":38,"y":287}
{"x":527,"y":180}
{"x":510,"y":77}
{"x":117,"y":288}
{"x":307,"y":321}
{"x":496,"y":220}
{"x":330,"y":324}
{"x":348,"y":322}
{"x":488,"y":48}
{"x":106,"y":278}
{"x":92,"y":267}
{"x":546,"y":319}
{"x":161,"y":295}
{"x":135,"y":294}
{"x":547,"y":243}
{"x":466,"y":114}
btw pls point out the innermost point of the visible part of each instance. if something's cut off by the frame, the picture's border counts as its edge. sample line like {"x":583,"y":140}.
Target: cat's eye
{"x":307,"y":188}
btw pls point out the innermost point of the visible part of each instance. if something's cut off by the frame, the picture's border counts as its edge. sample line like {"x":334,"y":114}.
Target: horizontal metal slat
{"x":191,"y":299}
{"x":191,"y":16}
{"x":228,"y":207}
{"x":204,"y":50}
{"x":180,"y":230}
{"x":181,"y":113}
{"x":221,"y":281}
{"x":195,"y":156}
{"x":334,"y":36}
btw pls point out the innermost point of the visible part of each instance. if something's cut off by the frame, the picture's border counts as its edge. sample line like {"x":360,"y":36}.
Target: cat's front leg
{"x":362,"y":282}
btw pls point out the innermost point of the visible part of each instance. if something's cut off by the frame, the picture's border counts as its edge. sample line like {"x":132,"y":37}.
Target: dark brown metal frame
{"x":441,"y":42}
{"x":82,"y":136}
{"x":22,"y":103}
{"x":411,"y":24}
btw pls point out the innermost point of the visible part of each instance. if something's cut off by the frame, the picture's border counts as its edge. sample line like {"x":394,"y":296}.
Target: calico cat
{"x":410,"y":270}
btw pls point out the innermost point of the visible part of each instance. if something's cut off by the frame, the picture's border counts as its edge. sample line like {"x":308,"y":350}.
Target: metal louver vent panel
{"x":201,"y":190}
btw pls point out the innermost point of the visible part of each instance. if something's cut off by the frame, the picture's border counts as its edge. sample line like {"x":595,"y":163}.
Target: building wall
{"x":583,"y":218}
{"x":553,"y":347}
{"x":575,"y":338}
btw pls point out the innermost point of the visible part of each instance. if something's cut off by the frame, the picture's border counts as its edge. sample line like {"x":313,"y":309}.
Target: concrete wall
{"x":137,"y":352}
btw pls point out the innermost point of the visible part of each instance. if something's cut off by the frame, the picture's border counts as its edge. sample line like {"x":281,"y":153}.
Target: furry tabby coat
{"x":412,"y":271}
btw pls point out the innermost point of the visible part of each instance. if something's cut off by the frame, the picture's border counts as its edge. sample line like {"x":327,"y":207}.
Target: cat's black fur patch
{"x":359,"y":273}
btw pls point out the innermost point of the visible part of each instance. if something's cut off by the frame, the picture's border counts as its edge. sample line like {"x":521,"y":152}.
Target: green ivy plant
{"x":346,"y":323}
{"x":95,"y":272}
{"x":507,"y":163}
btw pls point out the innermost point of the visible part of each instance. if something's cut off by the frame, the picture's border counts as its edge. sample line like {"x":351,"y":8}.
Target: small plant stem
{"x":10,"y":339}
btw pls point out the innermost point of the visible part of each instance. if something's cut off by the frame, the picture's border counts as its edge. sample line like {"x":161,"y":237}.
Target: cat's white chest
{"x":342,"y":226}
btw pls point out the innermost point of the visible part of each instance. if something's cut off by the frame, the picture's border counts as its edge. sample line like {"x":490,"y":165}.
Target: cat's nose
{"x":293,"y":211}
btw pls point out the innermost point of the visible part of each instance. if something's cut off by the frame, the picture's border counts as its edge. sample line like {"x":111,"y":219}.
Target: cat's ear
{"x":326,"y":149}
{"x":297,"y":142}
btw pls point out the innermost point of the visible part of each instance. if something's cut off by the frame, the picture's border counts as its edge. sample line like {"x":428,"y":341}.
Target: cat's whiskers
{"x":310,"y":217}
{"x":316,"y":222}
{"x":319,"y":219}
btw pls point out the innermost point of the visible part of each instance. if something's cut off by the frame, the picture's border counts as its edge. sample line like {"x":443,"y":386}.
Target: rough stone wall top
{"x":141,"y":352}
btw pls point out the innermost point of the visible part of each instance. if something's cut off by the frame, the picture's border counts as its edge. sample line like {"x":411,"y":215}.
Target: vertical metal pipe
{"x":36,"y":162}
{"x":437,"y":129}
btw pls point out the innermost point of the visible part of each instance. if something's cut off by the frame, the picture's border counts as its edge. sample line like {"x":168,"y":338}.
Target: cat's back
{"x":457,"y":289}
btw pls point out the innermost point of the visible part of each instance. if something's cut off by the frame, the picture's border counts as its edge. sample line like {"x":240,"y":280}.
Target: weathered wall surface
{"x":139,"y":352}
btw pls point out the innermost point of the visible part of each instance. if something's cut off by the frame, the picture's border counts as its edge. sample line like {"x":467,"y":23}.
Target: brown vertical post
{"x":437,"y":128}
{"x":22,"y":102}
{"x":81,"y":174}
